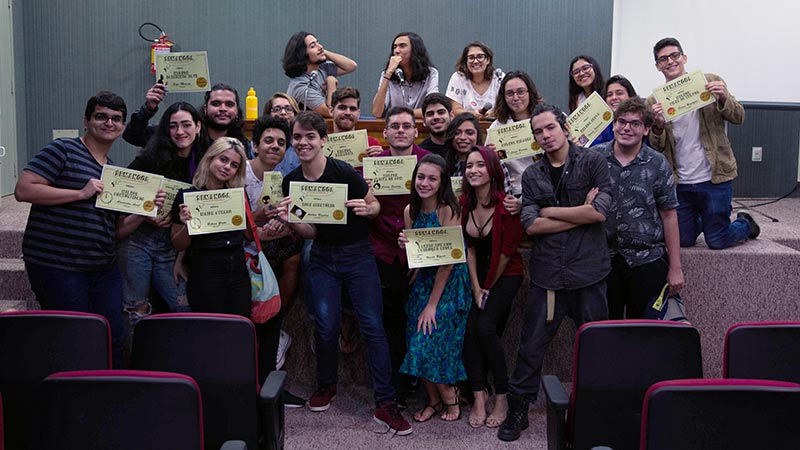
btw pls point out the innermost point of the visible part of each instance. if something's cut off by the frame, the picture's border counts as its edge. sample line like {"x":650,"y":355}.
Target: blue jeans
{"x":706,"y":208}
{"x":353,"y":267}
{"x":92,"y":292}
{"x":586,"y":304}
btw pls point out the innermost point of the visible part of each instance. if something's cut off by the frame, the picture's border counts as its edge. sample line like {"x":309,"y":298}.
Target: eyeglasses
{"x":635,"y":124}
{"x":103,"y":118}
{"x":579,"y":70}
{"x":397,"y":126}
{"x":480,"y":57}
{"x":521,"y":92}
{"x":673,"y":56}
{"x":278,"y":109}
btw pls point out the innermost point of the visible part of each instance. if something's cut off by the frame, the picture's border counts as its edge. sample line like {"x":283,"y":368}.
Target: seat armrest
{"x":555,"y":393}
{"x":272,"y":390}
{"x":270,"y":408}
{"x":234,"y":445}
{"x":557,"y":404}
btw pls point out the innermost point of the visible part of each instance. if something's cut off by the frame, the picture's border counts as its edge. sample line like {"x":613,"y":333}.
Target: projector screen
{"x":752,"y":45}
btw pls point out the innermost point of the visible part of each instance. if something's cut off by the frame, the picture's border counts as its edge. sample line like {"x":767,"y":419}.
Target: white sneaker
{"x":284,"y":343}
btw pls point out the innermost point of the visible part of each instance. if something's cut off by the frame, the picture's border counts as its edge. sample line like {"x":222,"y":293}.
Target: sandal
{"x":477,"y":421}
{"x":437,"y":408}
{"x":456,"y":404}
{"x":494,"y":422}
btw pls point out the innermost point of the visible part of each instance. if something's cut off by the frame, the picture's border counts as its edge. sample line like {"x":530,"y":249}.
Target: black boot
{"x":516,"y":420}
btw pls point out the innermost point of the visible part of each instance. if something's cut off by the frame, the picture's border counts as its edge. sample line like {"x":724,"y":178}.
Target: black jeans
{"x":483,"y":350}
{"x":269,"y":334}
{"x":219,"y":282}
{"x":630,"y":289}
{"x":394,"y":286}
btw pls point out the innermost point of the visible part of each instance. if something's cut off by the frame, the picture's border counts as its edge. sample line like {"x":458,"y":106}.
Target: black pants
{"x":483,"y":350}
{"x":630,"y":289}
{"x":219,"y":282}
{"x":394,"y":286}
{"x":269,"y":334}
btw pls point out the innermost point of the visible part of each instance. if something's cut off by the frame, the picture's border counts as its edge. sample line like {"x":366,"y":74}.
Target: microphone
{"x":399,"y":73}
{"x":486,"y":107}
{"x":499,"y":74}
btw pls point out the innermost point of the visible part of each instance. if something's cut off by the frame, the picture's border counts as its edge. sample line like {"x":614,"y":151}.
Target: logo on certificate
{"x":201,"y":82}
{"x":535,"y":146}
{"x":148,"y":205}
{"x":408,"y":184}
{"x":456,"y":253}
{"x":338,"y":214}
{"x":671,"y":111}
{"x":236,"y":220}
{"x":606,"y":115}
{"x":705,"y":96}
{"x":107,"y":197}
{"x":195,"y":223}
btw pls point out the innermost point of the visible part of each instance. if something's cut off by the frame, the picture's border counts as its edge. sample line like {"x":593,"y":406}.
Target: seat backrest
{"x":721,"y":414}
{"x":615,"y":363}
{"x":121,"y":410}
{"x":35,"y":344}
{"x":2,"y":435}
{"x":763,"y":350}
{"x":219,"y":352}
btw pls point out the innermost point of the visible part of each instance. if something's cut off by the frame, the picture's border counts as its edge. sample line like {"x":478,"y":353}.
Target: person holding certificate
{"x":475,"y":83}
{"x":585,"y":77}
{"x":617,"y":90}
{"x":408,"y":77}
{"x":439,"y":301}
{"x":702,"y":159}
{"x":495,"y":266}
{"x":147,"y":257}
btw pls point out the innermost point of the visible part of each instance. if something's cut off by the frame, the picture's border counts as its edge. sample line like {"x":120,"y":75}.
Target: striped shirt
{"x":73,"y":236}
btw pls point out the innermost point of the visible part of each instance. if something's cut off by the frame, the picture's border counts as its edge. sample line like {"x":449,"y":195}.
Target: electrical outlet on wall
{"x":757,"y":154}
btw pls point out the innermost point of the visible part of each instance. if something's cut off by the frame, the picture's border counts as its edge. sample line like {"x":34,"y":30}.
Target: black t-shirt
{"x":211,"y":241}
{"x":336,"y":171}
{"x":433,"y":147}
{"x":555,"y":177}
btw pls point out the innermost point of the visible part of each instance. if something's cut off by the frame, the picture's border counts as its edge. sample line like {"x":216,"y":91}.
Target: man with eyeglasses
{"x":700,"y":153}
{"x":68,"y":246}
{"x":437,"y":113}
{"x":400,"y":132}
{"x":642,"y":224}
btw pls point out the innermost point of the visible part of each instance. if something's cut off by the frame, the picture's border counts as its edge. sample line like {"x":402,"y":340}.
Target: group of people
{"x":604,"y":224}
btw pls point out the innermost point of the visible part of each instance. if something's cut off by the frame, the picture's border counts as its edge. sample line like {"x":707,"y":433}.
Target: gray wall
{"x":66,"y":51}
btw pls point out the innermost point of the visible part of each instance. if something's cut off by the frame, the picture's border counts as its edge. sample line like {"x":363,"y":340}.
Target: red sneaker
{"x":321,"y":399}
{"x":389,"y":414}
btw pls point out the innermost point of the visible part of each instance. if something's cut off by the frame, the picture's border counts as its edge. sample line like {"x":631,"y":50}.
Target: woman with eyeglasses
{"x":284,"y":106}
{"x":585,"y":77}
{"x":475,"y":82}
{"x":408,"y":77}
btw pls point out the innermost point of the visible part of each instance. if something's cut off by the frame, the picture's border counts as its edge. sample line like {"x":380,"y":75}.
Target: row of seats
{"x":171,"y":353}
{"x":638,"y":384}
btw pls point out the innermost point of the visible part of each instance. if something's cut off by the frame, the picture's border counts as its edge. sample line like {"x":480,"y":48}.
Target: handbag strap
{"x":251,"y":224}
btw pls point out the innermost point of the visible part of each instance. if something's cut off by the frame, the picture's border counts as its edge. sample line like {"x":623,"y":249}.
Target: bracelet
{"x":387,"y":78}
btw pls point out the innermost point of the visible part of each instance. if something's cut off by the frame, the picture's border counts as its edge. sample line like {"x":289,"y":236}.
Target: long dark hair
{"x":420,"y":62}
{"x":501,"y":109}
{"x":444,"y":196}
{"x":234,"y":130}
{"x":496,"y":183}
{"x":451,"y":155}
{"x":461,"y":64}
{"x":161,"y":151}
{"x":622,"y":81}
{"x":295,"y":57}
{"x":575,"y":90}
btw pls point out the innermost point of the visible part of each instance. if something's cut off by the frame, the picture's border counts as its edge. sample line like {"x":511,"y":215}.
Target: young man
{"x":437,"y":112}
{"x":565,"y":199}
{"x":642,"y":226}
{"x":342,"y":256}
{"x":346,"y":106}
{"x":68,"y":246}
{"x":222,"y":115}
{"x":698,"y":149}
{"x":313,"y":72}
{"x":400,"y":133}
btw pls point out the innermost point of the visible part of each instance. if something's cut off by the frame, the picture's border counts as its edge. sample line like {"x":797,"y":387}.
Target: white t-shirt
{"x":460,"y":89}
{"x":515,"y":166}
{"x":690,"y":156}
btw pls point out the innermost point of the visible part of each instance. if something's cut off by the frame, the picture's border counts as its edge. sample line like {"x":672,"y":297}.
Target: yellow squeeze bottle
{"x":251,"y":103}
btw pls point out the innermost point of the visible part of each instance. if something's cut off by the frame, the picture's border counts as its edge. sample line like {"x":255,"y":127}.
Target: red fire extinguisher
{"x":158,"y":45}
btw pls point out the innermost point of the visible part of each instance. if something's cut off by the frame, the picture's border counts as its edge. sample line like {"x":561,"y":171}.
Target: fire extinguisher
{"x":158,"y":45}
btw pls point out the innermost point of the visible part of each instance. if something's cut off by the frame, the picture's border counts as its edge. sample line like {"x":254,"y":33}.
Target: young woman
{"x":474,"y":84}
{"x":439,"y":301}
{"x":219,"y":281}
{"x":617,"y":89}
{"x":147,"y":258}
{"x":419,"y":77}
{"x":585,"y":77}
{"x":493,"y":235}
{"x":284,"y":106}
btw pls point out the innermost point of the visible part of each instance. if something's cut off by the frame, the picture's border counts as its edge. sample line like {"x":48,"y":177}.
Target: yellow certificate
{"x":457,"y":183}
{"x":428,"y":247}
{"x":349,"y":146}
{"x":183,"y":72}
{"x":589,"y":120}
{"x":683,"y":95}
{"x":390,"y":175}
{"x":128,"y":191}
{"x":171,"y":187}
{"x":272,"y":191}
{"x":318,"y":203}
{"x":514,"y":140}
{"x":216,"y":211}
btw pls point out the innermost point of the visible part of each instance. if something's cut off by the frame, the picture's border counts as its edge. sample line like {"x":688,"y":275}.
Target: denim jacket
{"x":578,"y":257}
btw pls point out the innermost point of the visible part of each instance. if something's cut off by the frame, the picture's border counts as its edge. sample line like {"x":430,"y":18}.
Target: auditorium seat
{"x":616,"y":361}
{"x":219,"y":352}
{"x":35,"y":344}
{"x":721,"y":414}
{"x":765,"y":350}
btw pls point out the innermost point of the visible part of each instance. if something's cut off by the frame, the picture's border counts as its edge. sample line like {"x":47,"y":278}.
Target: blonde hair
{"x":220,"y":146}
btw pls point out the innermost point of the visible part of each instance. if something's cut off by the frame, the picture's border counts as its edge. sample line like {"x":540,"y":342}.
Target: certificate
{"x":428,"y":247}
{"x":183,"y":72}
{"x":318,"y":203}
{"x":128,"y":191}
{"x":171,"y":187}
{"x":514,"y":140}
{"x":457,"y":184}
{"x":390,"y":175}
{"x":215,"y":211}
{"x":683,"y":95}
{"x":349,"y":146}
{"x":272,"y":191}
{"x":589,"y":120}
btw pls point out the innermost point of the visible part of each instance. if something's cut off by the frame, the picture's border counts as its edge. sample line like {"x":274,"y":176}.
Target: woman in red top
{"x":495,"y":270}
